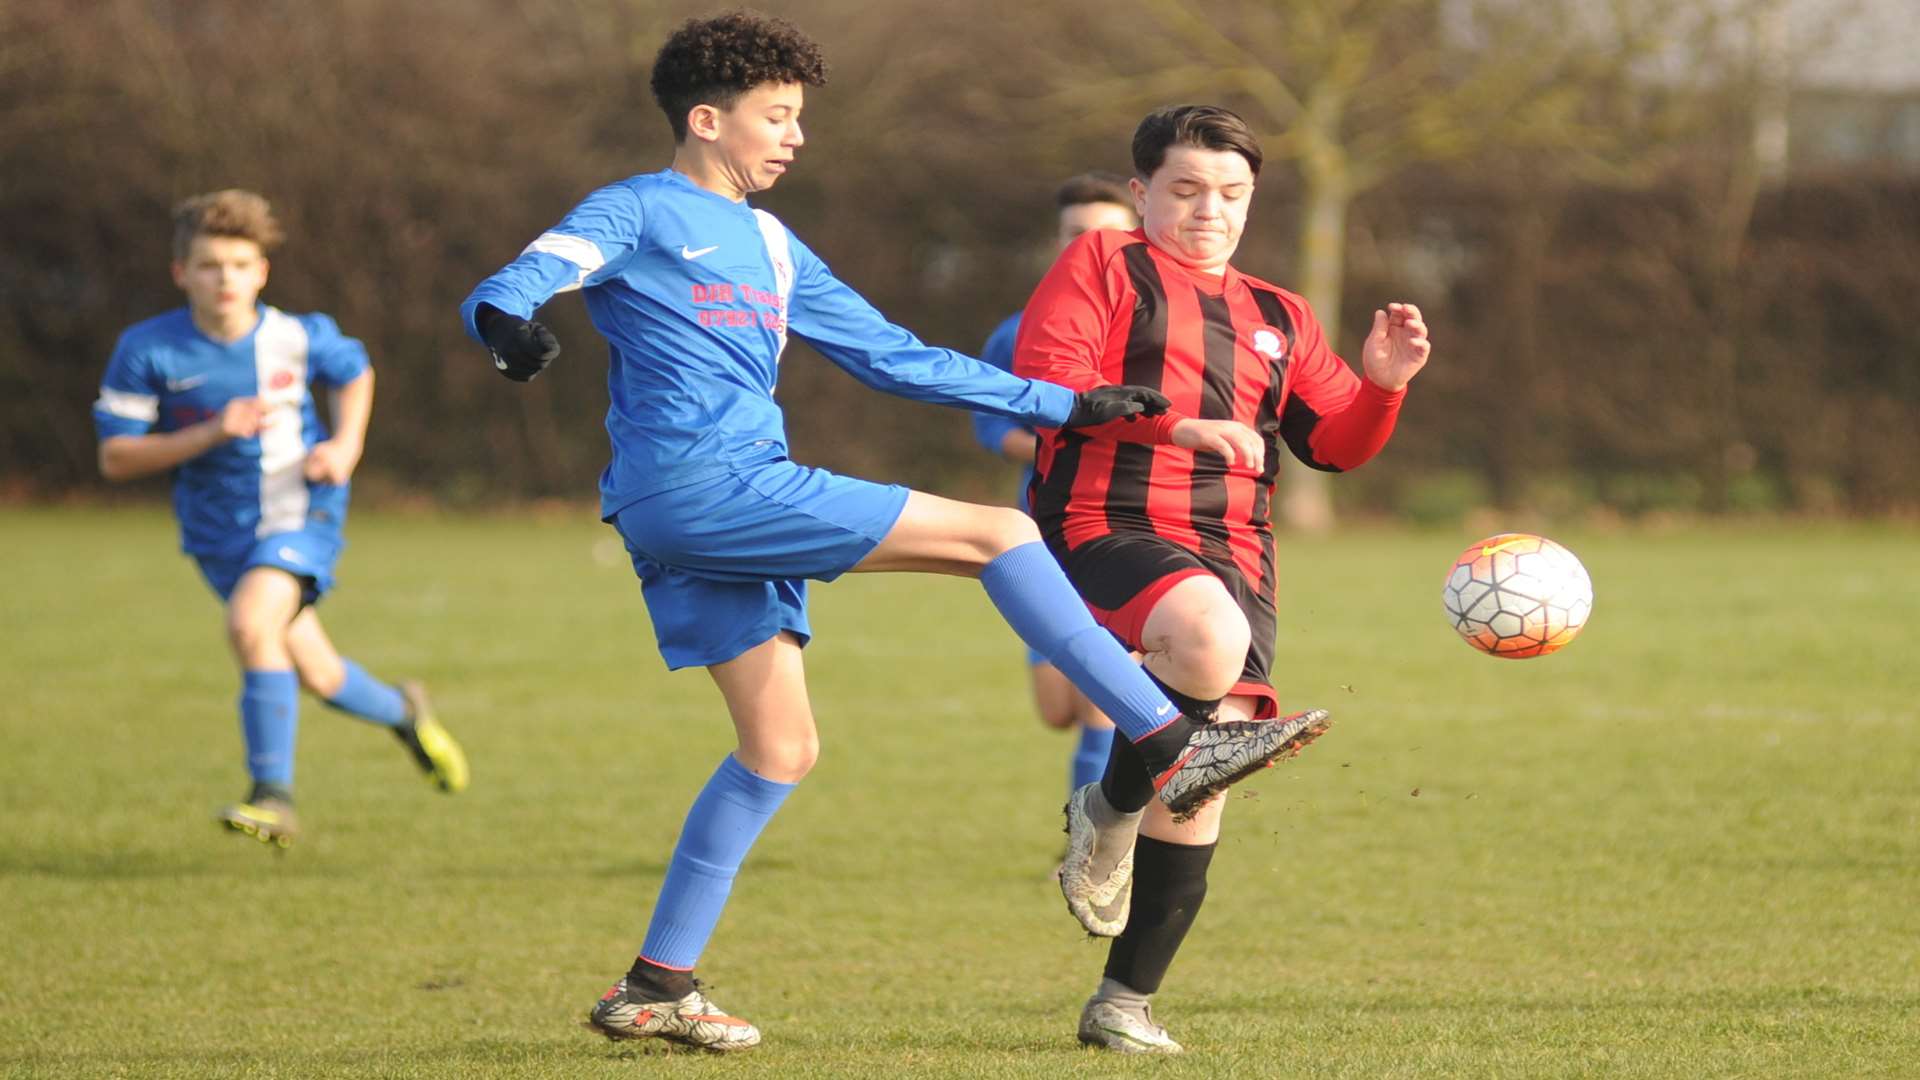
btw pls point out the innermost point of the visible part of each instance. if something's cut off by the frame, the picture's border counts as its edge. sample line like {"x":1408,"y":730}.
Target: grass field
{"x":1688,"y":846}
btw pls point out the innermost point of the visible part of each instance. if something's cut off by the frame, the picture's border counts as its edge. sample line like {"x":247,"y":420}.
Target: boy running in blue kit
{"x":696,"y":293}
{"x":217,"y":393}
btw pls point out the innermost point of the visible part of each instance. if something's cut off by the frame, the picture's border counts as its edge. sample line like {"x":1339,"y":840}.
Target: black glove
{"x":1104,"y":403}
{"x":521,"y":349}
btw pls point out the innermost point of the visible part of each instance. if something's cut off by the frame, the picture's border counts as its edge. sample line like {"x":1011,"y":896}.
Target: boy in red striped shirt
{"x":1163,"y":525}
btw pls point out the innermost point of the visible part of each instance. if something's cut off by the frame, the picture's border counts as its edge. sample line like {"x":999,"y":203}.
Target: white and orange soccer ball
{"x":1517,"y":595}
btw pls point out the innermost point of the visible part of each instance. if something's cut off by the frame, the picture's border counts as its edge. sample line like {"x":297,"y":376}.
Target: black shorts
{"x":1123,"y":575}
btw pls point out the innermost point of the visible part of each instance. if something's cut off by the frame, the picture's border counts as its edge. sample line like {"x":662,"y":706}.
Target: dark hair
{"x":232,"y":212}
{"x":1208,"y":127}
{"x":714,"y":61}
{"x":1093,"y":187}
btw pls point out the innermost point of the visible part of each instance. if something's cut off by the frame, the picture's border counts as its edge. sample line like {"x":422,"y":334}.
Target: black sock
{"x":1125,"y":784}
{"x":650,"y":982}
{"x":1128,"y":781}
{"x":1198,"y":710}
{"x":1169,"y":884}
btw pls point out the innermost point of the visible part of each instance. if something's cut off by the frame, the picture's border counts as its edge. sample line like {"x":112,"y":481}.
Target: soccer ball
{"x":1517,"y":595}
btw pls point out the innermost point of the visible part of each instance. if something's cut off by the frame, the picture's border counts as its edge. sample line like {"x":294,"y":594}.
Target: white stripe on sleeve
{"x":577,"y":250}
{"x":145,"y":407}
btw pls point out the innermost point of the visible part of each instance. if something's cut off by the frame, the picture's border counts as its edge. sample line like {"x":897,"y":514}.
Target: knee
{"x":321,"y":683}
{"x":1002,"y":529}
{"x":1057,"y":715}
{"x":788,"y":760}
{"x":1208,"y":651}
{"x":252,"y":632}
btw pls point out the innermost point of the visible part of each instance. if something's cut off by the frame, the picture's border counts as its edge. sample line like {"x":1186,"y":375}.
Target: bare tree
{"x":1353,"y":93}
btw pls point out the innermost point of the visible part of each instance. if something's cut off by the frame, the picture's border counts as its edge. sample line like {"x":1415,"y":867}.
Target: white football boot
{"x":1100,"y":906}
{"x":1108,"y":1026}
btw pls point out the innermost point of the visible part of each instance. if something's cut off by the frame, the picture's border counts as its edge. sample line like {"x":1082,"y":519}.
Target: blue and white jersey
{"x":166,"y":375}
{"x":696,"y":294}
{"x":991,"y":431}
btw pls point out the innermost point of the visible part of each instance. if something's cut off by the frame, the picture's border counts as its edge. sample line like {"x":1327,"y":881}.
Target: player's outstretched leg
{"x":1189,"y":759}
{"x":404,"y":710}
{"x":1222,"y":754}
{"x":1002,"y":547}
{"x":431,"y":745}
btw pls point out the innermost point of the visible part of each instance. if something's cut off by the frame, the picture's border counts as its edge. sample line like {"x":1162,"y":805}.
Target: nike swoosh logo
{"x":1488,"y":550}
{"x":1118,"y":1034}
{"x":175,"y":386}
{"x":685,"y":254}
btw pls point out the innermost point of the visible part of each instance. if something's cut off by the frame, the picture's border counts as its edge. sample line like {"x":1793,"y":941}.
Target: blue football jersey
{"x":990,"y":430}
{"x":166,"y":375}
{"x":696,"y":294}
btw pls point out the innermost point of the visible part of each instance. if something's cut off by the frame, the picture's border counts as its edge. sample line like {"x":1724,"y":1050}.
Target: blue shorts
{"x":723,"y":563}
{"x":307,"y":554}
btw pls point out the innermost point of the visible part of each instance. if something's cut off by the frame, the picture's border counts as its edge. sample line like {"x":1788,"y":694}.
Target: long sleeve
{"x":129,"y":402}
{"x":860,"y":341}
{"x":990,"y":430}
{"x":1333,"y":420}
{"x":591,"y":242}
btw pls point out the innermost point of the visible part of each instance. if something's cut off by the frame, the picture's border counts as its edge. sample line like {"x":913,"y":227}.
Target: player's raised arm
{"x":1334,"y":420}
{"x":349,"y":408}
{"x":592,"y":241}
{"x":340,"y":363}
{"x":847,"y":330}
{"x":1397,"y":347}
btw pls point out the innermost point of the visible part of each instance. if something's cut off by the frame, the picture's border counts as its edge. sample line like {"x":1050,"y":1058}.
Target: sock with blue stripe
{"x":1089,"y":759}
{"x":368,"y":698}
{"x":1036,"y":599}
{"x":725,"y":821}
{"x":269,"y":717}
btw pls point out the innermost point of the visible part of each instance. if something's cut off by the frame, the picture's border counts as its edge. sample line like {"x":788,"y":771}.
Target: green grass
{"x":1687,"y":846}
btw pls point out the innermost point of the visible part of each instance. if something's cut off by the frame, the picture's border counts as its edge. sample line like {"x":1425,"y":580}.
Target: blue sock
{"x":1036,"y":599}
{"x":368,"y":698}
{"x":1089,"y":760}
{"x":269,"y":715}
{"x":725,"y":821}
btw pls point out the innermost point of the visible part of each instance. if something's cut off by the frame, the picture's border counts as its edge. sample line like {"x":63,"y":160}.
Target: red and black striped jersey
{"x":1115,"y":309}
